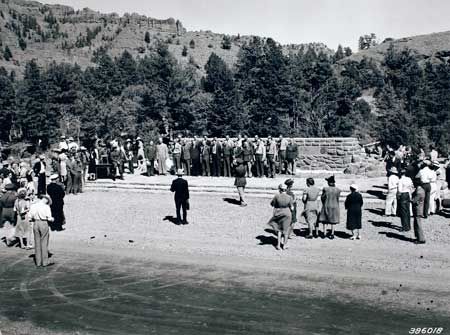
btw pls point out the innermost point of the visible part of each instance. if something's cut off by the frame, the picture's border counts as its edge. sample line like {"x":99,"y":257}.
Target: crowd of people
{"x":196,"y":156}
{"x":417,"y":184}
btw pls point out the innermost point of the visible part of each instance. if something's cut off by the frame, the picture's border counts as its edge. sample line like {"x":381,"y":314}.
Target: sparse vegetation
{"x":184,"y":53}
{"x":147,"y":37}
{"x":192,"y":44}
{"x":7,"y":54}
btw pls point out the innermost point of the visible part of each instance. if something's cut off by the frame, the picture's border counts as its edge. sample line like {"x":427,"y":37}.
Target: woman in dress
{"x":282,"y":216}
{"x":290,"y":183}
{"x":23,"y":227}
{"x":311,"y":209}
{"x":353,"y":205}
{"x":63,"y":166}
{"x":329,"y":215}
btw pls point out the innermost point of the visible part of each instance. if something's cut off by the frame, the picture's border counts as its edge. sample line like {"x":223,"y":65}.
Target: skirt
{"x":23,"y":226}
{"x":281,"y":220}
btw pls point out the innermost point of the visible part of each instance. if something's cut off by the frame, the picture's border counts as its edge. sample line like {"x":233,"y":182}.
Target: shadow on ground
{"x":397,"y":236}
{"x":232,"y":201}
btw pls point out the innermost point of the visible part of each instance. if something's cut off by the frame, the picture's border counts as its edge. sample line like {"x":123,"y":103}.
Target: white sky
{"x":292,"y":21}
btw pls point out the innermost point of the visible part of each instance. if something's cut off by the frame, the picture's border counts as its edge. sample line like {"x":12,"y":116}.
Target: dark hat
{"x":10,"y":187}
{"x":289,"y":182}
{"x":239,"y":161}
{"x":331,"y":179}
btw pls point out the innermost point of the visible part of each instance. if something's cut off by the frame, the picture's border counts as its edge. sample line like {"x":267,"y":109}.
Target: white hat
{"x":54,"y":176}
{"x":180,"y":172}
{"x":354,"y":187}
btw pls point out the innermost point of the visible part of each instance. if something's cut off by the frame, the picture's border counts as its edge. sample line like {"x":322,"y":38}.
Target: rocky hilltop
{"x":32,"y":30}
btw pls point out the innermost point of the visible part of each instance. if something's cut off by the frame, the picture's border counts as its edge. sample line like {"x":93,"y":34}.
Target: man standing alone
{"x":181,"y":188}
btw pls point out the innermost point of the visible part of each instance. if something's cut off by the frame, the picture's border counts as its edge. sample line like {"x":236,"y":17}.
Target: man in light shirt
{"x":391,"y":197}
{"x":271,"y":154}
{"x":282,"y":154}
{"x":405,"y":189}
{"x":41,"y":215}
{"x":426,"y":176}
{"x":63,"y":144}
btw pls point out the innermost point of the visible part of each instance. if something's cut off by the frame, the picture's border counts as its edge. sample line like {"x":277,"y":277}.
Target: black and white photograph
{"x":210,"y":167}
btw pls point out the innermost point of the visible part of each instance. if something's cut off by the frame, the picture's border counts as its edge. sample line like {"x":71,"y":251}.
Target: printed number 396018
{"x":426,"y":330}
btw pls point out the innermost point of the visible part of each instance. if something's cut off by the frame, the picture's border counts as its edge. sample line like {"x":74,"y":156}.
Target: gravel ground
{"x":221,"y":233}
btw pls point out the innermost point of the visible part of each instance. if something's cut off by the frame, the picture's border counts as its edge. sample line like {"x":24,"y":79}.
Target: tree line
{"x":306,"y":94}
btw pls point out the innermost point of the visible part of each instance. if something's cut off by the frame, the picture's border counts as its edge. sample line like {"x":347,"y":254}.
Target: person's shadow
{"x":378,"y":194}
{"x":267,"y":240}
{"x":384,"y":225}
{"x":397,"y":236}
{"x":171,"y":219}
{"x":342,"y":234}
{"x":377,"y":211}
{"x":232,"y":201}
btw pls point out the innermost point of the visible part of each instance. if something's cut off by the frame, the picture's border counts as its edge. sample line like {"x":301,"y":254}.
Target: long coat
{"x":57,"y":194}
{"x":330,"y":205}
{"x":353,"y":205}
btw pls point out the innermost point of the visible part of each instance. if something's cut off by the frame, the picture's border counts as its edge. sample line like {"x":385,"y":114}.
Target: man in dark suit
{"x":216,"y":153}
{"x":56,"y":193}
{"x":181,"y":188}
{"x":40,"y":170}
{"x":195,"y":157}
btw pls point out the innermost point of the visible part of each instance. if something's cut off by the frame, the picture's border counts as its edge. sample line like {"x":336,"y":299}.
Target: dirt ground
{"x":384,"y":270}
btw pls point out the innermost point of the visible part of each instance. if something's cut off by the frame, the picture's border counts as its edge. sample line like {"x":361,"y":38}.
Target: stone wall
{"x":327,"y":153}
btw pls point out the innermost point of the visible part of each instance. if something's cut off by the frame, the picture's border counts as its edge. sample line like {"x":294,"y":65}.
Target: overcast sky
{"x":332,"y":22}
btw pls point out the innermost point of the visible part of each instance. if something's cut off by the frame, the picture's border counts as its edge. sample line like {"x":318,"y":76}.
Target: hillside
{"x":434,"y":47}
{"x":32,"y":30}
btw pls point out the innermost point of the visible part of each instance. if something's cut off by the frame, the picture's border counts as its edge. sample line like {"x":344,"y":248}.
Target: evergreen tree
{"x":339,"y":53}
{"x":36,"y":120}
{"x":226,"y":42}
{"x":192,"y":44}
{"x":184,"y":53}
{"x":147,"y":37}
{"x":7,"y":104}
{"x":7,"y":54}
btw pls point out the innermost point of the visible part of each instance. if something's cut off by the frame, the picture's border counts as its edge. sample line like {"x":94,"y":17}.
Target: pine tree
{"x":192,"y":44}
{"x":147,"y":37}
{"x":226,"y":42}
{"x":339,"y":54}
{"x":7,"y":104}
{"x":7,"y":54}
{"x":184,"y":53}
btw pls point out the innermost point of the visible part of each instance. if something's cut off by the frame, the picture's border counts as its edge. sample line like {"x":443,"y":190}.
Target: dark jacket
{"x":195,"y":151}
{"x":150,"y":152}
{"x":292,"y":151}
{"x":418,"y":201}
{"x":353,"y":205}
{"x":56,"y":192}
{"x":37,"y":167}
{"x":181,"y":188}
{"x":218,"y":149}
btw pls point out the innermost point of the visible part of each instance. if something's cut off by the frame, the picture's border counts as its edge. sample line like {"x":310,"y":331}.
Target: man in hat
{"x":390,"y":208}
{"x":181,"y":188}
{"x":40,"y":170}
{"x":57,"y":194}
{"x":228,"y":147}
{"x":150,"y":155}
{"x":41,"y":215}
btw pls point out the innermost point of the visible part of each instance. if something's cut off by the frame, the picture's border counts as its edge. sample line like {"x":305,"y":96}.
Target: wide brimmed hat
{"x":289,"y":182}
{"x":427,"y":162}
{"x":354,"y":187}
{"x":10,"y":187}
{"x":330,"y":179}
{"x":49,"y":200}
{"x":128,"y":140}
{"x":436,"y":164}
{"x":22,"y":193}
{"x":138,"y":139}
{"x":41,"y":156}
{"x":62,"y":136}
{"x":54,"y":176}
{"x":180,"y":172}
{"x":83,"y":148}
{"x":239,"y":161}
